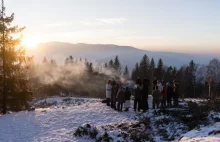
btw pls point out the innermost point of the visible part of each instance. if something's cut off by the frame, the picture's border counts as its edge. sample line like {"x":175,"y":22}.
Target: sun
{"x":30,"y":41}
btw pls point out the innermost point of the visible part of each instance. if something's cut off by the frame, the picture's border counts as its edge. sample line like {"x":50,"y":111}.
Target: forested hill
{"x":104,"y":52}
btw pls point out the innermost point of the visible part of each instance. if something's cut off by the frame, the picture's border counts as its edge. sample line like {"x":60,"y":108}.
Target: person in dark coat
{"x":163,"y":82}
{"x":121,"y":98}
{"x":144,"y":98}
{"x":113,"y":93}
{"x":169,"y":95}
{"x":175,"y":93}
{"x":154,"y":83}
{"x":137,"y":98}
{"x":164,"y":97}
{"x":139,"y":82}
{"x":156,"y":98}
{"x":127,"y":99}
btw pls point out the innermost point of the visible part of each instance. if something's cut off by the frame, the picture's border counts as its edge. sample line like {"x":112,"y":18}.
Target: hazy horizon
{"x":170,"y":26}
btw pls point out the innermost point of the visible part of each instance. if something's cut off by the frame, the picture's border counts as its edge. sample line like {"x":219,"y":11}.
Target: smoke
{"x":73,"y":77}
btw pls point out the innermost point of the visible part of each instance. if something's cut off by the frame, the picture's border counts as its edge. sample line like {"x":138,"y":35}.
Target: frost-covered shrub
{"x":214,"y":132}
{"x":86,"y":130}
{"x":104,"y":138}
{"x":137,"y":132}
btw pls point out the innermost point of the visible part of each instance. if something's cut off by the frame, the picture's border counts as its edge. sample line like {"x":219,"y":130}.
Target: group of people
{"x":119,"y":95}
{"x":163,"y":93}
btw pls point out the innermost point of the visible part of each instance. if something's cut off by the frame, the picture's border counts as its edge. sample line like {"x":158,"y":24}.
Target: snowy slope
{"x":205,"y":134}
{"x":56,"y":123}
{"x":58,"y":120}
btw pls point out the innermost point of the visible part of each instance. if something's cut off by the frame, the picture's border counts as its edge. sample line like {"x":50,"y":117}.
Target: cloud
{"x":58,"y":24}
{"x":101,"y":22}
{"x":113,"y":21}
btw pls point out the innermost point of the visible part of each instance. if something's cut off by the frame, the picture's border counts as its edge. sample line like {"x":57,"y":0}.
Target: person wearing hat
{"x":127,"y":99}
{"x":137,"y":98}
{"x":121,"y":98}
{"x":113,"y":83}
{"x":156,"y":98}
{"x":169,"y":95}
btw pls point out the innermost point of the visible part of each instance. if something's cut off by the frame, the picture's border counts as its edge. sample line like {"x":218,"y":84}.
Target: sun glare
{"x":30,"y":41}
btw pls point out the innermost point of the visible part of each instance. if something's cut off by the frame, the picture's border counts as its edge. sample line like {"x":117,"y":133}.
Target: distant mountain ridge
{"x":101,"y":53}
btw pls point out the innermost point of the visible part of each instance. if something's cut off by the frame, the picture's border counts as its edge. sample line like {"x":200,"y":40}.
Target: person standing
{"x":159,"y":84}
{"x":156,"y":98}
{"x":154,"y":83}
{"x":175,"y":94}
{"x":164,"y":97}
{"x":169,"y":95}
{"x":116,"y":88}
{"x":127,"y":99}
{"x":121,"y":98}
{"x":139,"y":82}
{"x":113,"y":93}
{"x":137,"y":98}
{"x":144,"y":98}
{"x":108,"y":92}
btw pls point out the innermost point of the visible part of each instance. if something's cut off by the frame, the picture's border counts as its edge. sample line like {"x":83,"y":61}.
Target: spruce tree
{"x":44,"y":60}
{"x":135,"y":72}
{"x":106,"y":65}
{"x":90,"y":68}
{"x":67,"y":61}
{"x":12,"y":57}
{"x":53,"y":63}
{"x":174,"y":72}
{"x":144,"y":66}
{"x":160,"y":69}
{"x":71,"y":60}
{"x":190,"y":79}
{"x":117,"y":65}
{"x":126,"y":72}
{"x":111,"y":64}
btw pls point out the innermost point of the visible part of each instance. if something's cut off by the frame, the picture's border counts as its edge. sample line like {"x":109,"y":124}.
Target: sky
{"x":189,"y":26}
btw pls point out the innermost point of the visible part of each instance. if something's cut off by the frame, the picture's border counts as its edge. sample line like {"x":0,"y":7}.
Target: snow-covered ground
{"x":204,"y":134}
{"x":57,"y":123}
{"x":57,"y":118}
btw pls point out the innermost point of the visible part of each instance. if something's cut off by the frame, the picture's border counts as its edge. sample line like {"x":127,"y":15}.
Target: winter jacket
{"x":145,"y":83}
{"x":108,"y":90}
{"x":139,"y":82}
{"x":137,"y":94}
{"x":121,"y":95}
{"x":127,"y":95}
{"x":156,"y":94}
{"x":145,"y":86}
{"x":164,"y":92}
{"x":160,"y":87}
{"x":169,"y":91}
{"x":155,"y":82}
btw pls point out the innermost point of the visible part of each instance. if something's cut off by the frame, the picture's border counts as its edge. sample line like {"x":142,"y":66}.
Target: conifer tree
{"x":117,"y":65}
{"x":169,"y":74}
{"x":44,"y":60}
{"x":144,"y":66}
{"x":67,"y":61}
{"x":126,"y":72}
{"x":106,"y":65}
{"x":11,"y":55}
{"x":71,"y":60}
{"x":90,"y":68}
{"x":190,"y":79}
{"x":135,"y":72}
{"x":111,"y":64}
{"x":160,"y":69}
{"x":53,"y":63}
